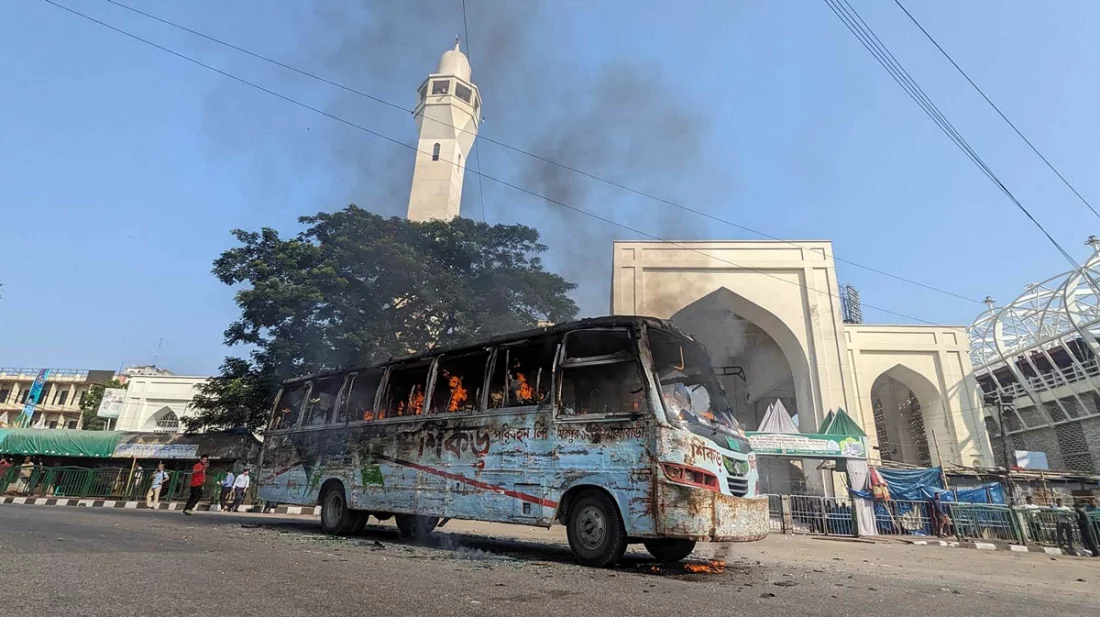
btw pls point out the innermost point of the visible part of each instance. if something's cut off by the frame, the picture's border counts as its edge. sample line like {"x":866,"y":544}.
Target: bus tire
{"x":415,"y":526}
{"x":360,"y":522}
{"x":336,"y":517}
{"x":669,"y":550}
{"x":595,"y":530}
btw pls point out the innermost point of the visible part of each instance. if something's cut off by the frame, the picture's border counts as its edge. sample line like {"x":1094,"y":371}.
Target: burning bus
{"x":615,"y":427}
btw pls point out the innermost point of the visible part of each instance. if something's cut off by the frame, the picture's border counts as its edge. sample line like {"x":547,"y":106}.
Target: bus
{"x":616,"y":427}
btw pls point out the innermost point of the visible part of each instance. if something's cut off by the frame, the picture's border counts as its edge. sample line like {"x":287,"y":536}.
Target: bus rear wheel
{"x":415,"y":526}
{"x":668,"y":550}
{"x":595,"y":530}
{"x":336,"y":517}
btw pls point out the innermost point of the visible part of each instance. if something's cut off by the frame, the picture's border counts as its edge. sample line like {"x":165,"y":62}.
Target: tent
{"x":841,"y":424}
{"x":777,"y":420}
{"x":826,"y":422}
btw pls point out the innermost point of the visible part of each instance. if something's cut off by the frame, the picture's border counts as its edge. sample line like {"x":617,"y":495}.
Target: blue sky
{"x":123,"y":168}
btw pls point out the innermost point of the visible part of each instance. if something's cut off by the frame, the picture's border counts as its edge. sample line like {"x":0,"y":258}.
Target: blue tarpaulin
{"x":924,"y":484}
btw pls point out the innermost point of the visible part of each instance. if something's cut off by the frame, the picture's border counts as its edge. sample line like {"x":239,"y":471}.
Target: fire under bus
{"x":615,"y":427}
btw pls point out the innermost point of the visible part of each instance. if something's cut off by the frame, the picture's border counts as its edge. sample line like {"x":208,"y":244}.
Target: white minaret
{"x":447,"y":117}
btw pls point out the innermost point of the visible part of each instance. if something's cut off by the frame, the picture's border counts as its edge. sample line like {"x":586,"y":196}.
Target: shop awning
{"x":59,"y":442}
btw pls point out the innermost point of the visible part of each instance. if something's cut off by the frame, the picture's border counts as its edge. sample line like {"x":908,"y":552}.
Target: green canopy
{"x":59,"y":442}
{"x":826,"y":423}
{"x":842,"y":424}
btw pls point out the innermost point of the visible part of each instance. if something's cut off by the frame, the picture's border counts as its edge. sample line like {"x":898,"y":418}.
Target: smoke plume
{"x":609,"y":115}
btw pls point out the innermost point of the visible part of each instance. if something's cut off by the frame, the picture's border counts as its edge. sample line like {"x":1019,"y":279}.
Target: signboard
{"x":809,"y":446}
{"x":157,"y":450}
{"x":32,"y":397}
{"x":111,"y":405}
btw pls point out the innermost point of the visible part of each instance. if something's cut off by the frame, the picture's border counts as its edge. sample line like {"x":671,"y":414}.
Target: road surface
{"x":91,"y":561}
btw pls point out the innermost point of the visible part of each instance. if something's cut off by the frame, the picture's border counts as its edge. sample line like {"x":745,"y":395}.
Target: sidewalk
{"x":140,"y":505}
{"x":993,"y":546}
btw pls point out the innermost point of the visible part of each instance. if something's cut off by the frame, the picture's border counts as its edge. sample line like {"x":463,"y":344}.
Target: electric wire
{"x":515,"y":187}
{"x":477,"y":152}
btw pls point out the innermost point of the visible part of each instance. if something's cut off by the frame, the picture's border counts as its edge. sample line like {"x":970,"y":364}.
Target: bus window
{"x":522,"y":373}
{"x":601,"y":374}
{"x":322,"y":401}
{"x":405,"y":391}
{"x":458,"y":383}
{"x":358,"y":401}
{"x":290,"y":405}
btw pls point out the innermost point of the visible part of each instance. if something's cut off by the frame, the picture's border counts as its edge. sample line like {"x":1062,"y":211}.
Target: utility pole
{"x":997,"y":400}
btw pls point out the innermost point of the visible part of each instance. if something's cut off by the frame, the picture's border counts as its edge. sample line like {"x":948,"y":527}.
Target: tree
{"x":90,"y":406}
{"x":355,"y":288}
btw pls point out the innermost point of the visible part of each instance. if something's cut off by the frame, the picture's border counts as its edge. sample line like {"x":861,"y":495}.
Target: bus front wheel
{"x":336,"y":517}
{"x":669,"y":550}
{"x":414,"y":526}
{"x":595,"y":530}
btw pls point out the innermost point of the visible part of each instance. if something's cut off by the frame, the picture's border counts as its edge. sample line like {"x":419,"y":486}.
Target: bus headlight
{"x":682,"y":474}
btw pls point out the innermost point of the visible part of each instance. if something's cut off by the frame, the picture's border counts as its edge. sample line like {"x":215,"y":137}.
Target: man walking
{"x":152,"y":498}
{"x":198,"y":477}
{"x":227,"y":490}
{"x":240,"y":487}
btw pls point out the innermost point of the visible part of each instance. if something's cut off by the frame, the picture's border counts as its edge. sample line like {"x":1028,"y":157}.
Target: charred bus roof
{"x":591,"y":322}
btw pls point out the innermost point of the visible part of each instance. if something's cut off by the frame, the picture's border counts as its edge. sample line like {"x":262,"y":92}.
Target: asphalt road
{"x":76,"y":562}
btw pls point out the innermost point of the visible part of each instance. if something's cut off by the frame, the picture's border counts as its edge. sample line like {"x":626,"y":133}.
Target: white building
{"x":157,"y":403}
{"x":447,"y":118}
{"x":773,"y":309}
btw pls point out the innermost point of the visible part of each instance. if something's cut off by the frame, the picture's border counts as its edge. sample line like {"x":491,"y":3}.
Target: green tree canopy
{"x":355,"y":288}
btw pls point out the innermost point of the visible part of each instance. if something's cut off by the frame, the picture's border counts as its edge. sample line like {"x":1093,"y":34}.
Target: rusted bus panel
{"x":695,"y":514}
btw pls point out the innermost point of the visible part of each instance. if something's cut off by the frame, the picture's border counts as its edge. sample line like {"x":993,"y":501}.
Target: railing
{"x":109,"y":483}
{"x":832,"y":516}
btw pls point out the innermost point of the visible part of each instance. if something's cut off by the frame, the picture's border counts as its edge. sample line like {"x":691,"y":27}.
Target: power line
{"x":477,"y":148}
{"x":866,"y":36}
{"x":997,"y":109}
{"x":487,"y":176}
{"x":569,"y":168}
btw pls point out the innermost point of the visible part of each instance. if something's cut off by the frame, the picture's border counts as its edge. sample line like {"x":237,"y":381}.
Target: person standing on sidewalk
{"x":1063,"y":526}
{"x":152,"y":498}
{"x":240,"y":487}
{"x":227,"y":490}
{"x":198,"y":477}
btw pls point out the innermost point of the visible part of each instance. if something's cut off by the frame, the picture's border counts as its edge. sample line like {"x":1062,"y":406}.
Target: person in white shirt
{"x":152,"y":498}
{"x":1063,"y":525}
{"x":240,"y":486}
{"x":1030,"y":511}
{"x":227,"y":490}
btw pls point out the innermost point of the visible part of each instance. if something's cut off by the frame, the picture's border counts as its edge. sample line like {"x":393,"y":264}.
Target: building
{"x":771,"y":312}
{"x":447,"y":118}
{"x":157,"y":403}
{"x":60,"y":400}
{"x":1035,"y":360}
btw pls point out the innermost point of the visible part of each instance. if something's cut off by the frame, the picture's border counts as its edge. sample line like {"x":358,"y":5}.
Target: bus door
{"x":602,"y":418}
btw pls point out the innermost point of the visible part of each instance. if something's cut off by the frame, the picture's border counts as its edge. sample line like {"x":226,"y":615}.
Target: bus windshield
{"x":692,"y":396}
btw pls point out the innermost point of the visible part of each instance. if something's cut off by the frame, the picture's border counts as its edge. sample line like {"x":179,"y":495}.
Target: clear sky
{"x":123,"y":168}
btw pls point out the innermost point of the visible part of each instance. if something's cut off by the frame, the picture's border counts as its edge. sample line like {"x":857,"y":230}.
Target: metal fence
{"x":109,"y":483}
{"x":833,"y":516}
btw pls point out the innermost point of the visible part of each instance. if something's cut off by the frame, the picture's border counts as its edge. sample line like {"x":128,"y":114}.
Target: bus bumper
{"x":707,"y":516}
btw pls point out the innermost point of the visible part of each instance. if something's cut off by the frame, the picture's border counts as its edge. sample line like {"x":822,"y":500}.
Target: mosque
{"x":773,"y":309}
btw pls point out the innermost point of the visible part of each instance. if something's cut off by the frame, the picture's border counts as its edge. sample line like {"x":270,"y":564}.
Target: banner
{"x":32,"y":397}
{"x":809,"y":446}
{"x":111,"y":405}
{"x":157,"y":450}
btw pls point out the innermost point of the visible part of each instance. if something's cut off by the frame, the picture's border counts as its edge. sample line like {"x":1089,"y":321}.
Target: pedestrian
{"x":23,"y":483}
{"x":152,"y":498}
{"x":1088,"y":533}
{"x":198,"y":477}
{"x":240,"y":487}
{"x":1063,"y":527}
{"x":1030,"y":511}
{"x":227,"y":490}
